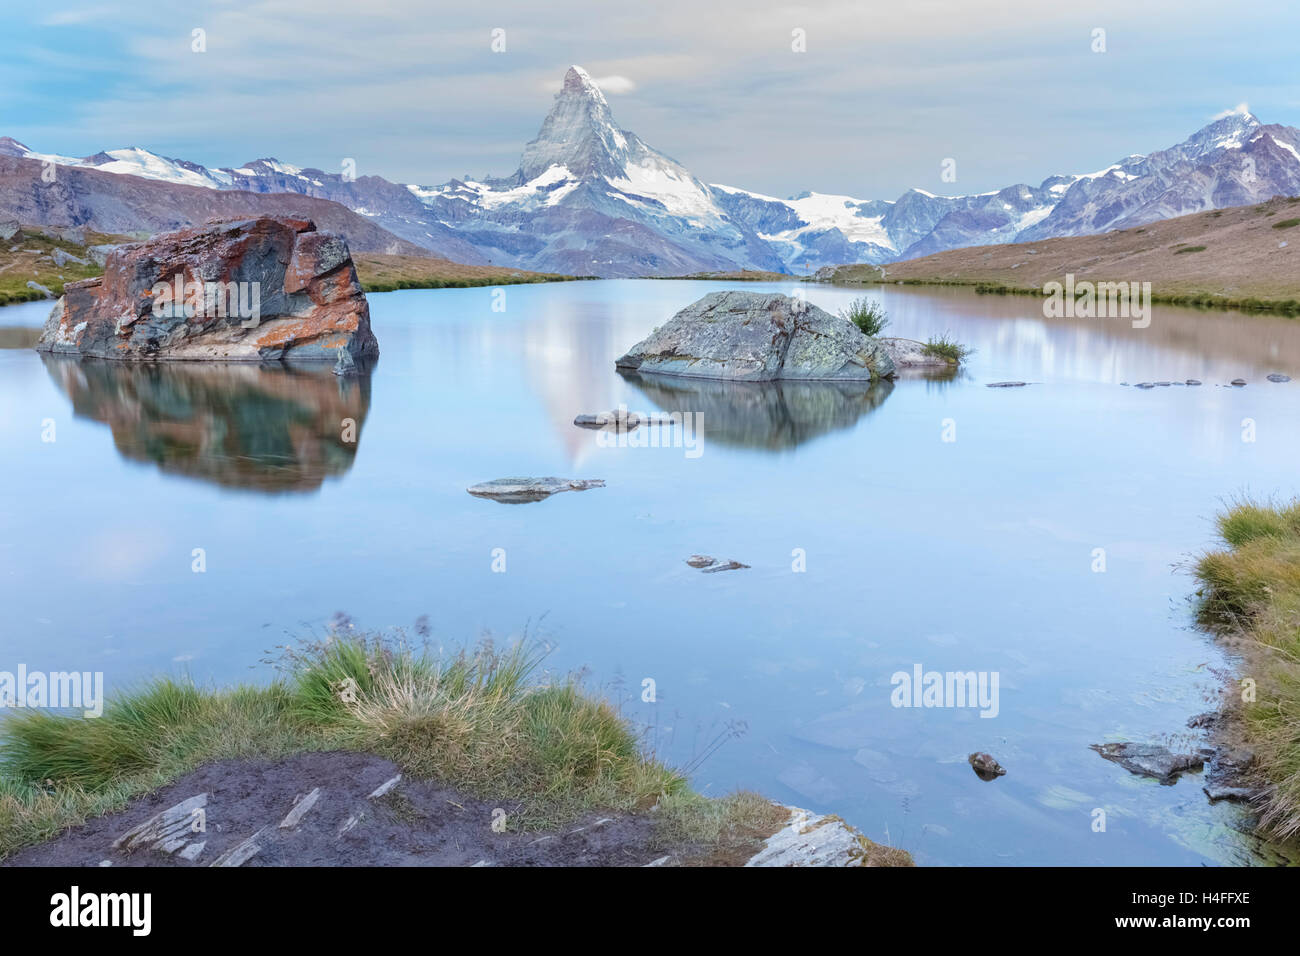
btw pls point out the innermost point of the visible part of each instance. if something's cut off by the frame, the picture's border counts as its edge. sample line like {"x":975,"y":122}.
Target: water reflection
{"x":263,"y":428}
{"x":769,"y":415}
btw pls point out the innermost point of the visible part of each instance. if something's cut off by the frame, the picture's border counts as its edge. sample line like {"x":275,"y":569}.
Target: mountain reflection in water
{"x":256,"y":427}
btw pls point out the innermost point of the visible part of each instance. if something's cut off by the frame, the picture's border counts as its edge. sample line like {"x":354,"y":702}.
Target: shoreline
{"x":535,"y":756}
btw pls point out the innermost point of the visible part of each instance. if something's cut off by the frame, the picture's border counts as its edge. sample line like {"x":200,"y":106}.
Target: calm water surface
{"x":974,"y":554}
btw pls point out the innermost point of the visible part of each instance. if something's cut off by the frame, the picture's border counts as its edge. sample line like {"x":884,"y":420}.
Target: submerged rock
{"x":1279,"y":377}
{"x":909,"y":353}
{"x":1219,"y":791}
{"x":811,"y":839}
{"x":986,"y":768}
{"x":711,"y":565}
{"x":622,"y":419}
{"x":523,"y":490}
{"x":263,"y":289}
{"x":758,"y":337}
{"x":1150,"y":760}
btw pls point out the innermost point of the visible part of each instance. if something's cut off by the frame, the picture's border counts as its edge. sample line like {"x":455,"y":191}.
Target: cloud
{"x":1241,"y":109}
{"x":64,"y":18}
{"x":614,"y":84}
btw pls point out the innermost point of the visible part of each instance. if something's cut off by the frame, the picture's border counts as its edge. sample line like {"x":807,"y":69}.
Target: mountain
{"x":589,"y":198}
{"x":109,"y":202}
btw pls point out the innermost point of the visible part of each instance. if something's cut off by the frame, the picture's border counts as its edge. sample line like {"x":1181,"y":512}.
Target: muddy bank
{"x":354,"y":809}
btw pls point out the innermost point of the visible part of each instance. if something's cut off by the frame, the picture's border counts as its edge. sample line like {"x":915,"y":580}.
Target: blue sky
{"x":883,"y":94}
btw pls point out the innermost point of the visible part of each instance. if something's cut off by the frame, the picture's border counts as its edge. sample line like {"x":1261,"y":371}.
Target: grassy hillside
{"x":29,"y":255}
{"x":1247,"y":257}
{"x":384,"y":273}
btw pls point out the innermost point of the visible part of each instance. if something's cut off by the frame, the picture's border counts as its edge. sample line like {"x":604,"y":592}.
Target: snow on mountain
{"x":589,"y":198}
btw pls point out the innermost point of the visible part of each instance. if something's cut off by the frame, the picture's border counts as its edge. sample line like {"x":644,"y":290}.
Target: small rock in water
{"x":1006,"y":384}
{"x":986,"y":768}
{"x":1146,"y":384}
{"x":1164,"y":384}
{"x":513,"y":491}
{"x":711,"y":565}
{"x":1238,"y":382}
{"x":1150,"y":760}
{"x":725,"y":566}
{"x":1193,"y":381}
{"x":1218,"y":791}
{"x":1278,"y":377}
{"x":622,"y":418}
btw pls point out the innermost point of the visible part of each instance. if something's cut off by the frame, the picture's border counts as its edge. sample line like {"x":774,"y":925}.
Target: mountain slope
{"x":111,"y":203}
{"x":589,"y":198}
{"x":1255,"y":251}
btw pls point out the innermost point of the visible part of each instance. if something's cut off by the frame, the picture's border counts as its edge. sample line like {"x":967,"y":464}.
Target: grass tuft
{"x":945,"y":348}
{"x":870,"y":318}
{"x":482,"y":722}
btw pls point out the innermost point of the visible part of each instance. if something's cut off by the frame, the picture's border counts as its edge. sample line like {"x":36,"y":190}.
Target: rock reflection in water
{"x":258,"y":427}
{"x":770,"y":415}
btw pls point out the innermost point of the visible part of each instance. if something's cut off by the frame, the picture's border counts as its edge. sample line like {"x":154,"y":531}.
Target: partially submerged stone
{"x":986,"y":768}
{"x":711,"y":565}
{"x":524,"y":490}
{"x":812,"y":839}
{"x":911,"y":354}
{"x":758,"y":337}
{"x":1021,"y":384}
{"x":262,"y":289}
{"x":1219,"y":791}
{"x":1279,"y":377}
{"x":1150,"y":760}
{"x":623,"y":420}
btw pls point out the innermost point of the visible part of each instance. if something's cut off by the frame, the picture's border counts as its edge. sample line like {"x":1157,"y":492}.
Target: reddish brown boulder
{"x":266,"y":289}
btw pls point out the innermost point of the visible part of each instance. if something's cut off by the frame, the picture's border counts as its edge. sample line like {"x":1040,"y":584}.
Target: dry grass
{"x":1251,"y":592}
{"x":480,"y":722}
{"x":387,"y":273}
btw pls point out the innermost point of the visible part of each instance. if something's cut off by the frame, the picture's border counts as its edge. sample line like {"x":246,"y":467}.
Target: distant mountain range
{"x":592,"y":199}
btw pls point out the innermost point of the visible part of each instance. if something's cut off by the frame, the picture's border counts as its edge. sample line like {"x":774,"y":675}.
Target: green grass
{"x":867,"y":315}
{"x":1286,"y":224}
{"x":33,"y":261}
{"x":485,"y":723}
{"x":1179,"y":252}
{"x":1251,"y":591}
{"x":945,"y":348}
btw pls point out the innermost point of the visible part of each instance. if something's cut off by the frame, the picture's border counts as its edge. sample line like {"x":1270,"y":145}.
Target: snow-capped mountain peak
{"x":589,"y":198}
{"x":578,"y":133}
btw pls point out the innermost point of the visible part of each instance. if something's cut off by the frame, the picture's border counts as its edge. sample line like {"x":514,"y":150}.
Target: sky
{"x":879,"y":96}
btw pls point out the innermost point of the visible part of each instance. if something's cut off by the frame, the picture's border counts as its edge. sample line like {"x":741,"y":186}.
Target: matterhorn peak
{"x":578,"y":80}
{"x":578,"y":133}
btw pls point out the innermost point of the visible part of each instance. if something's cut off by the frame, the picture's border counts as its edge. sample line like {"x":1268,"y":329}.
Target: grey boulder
{"x":758,"y":337}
